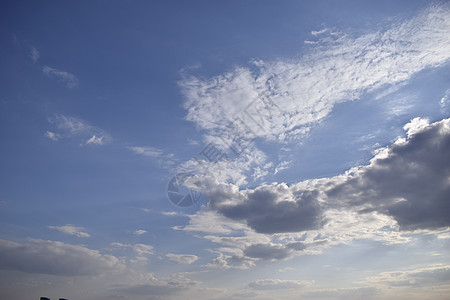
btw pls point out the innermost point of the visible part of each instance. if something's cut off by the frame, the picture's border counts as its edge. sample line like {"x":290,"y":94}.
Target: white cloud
{"x":95,"y":140}
{"x":51,"y":135}
{"x":34,"y":54}
{"x":69,"y":79}
{"x":182,"y":258}
{"x":431,"y":275}
{"x":72,"y":230}
{"x":282,"y":99}
{"x":159,"y":157}
{"x":416,"y":125}
{"x":67,"y":127}
{"x":141,"y":250}
{"x":275,"y":284}
{"x":139,"y":232}
{"x":55,"y":258}
{"x":149,"y":151}
{"x":147,"y":286}
{"x":444,"y":103}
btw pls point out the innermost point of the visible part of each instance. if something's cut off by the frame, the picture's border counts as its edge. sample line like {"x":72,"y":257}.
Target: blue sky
{"x":329,"y":122}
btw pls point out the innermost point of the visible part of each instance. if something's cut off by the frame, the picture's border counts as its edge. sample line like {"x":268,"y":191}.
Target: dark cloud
{"x":55,"y":258}
{"x":410,"y":183}
{"x":269,"y":209}
{"x":267,"y":251}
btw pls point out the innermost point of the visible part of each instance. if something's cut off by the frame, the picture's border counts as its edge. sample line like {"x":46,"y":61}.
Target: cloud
{"x":96,"y":140}
{"x":182,"y":258}
{"x":444,"y":103}
{"x":141,"y":250}
{"x":70,"y":229}
{"x":158,"y":156}
{"x":432,"y":275}
{"x":276,"y":284}
{"x":404,"y":188}
{"x":55,"y":258}
{"x":147,"y":151}
{"x":410,"y":180}
{"x":268,"y":208}
{"x":282,"y":99}
{"x":151,"y":287}
{"x":67,"y":127}
{"x":139,"y":232}
{"x":51,"y":135}
{"x":267,"y":251}
{"x":231,"y":262}
{"x":345,"y":293}
{"x":70,"y":80}
{"x":34,"y":54}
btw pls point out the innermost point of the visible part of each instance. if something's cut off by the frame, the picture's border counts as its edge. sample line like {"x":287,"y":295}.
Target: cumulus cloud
{"x":70,"y":80}
{"x":410,"y":180}
{"x":268,"y":208}
{"x":71,"y":229}
{"x":223,"y":261}
{"x":55,"y":258}
{"x":404,"y":188}
{"x":182,"y":258}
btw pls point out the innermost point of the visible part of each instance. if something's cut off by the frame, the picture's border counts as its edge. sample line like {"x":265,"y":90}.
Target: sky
{"x":225,"y":149}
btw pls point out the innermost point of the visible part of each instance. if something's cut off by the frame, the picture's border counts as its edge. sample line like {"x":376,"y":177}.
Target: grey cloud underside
{"x":55,"y":258}
{"x":264,"y":209}
{"x":410,"y":183}
{"x":273,"y":252}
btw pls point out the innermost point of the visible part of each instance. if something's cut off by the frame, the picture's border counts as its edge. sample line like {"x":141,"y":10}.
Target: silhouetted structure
{"x":45,"y":298}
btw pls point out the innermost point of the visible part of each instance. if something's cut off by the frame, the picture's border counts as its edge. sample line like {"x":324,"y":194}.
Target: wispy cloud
{"x":149,"y":151}
{"x":67,"y":127}
{"x":51,"y":135}
{"x":275,"y":284}
{"x":34,"y":54}
{"x":141,"y":250}
{"x":281,"y":100}
{"x":69,"y":79}
{"x":182,"y":258}
{"x":428,"y":276}
{"x":161,"y":158}
{"x":71,"y":229}
{"x":296,"y":93}
{"x":140,"y":232}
